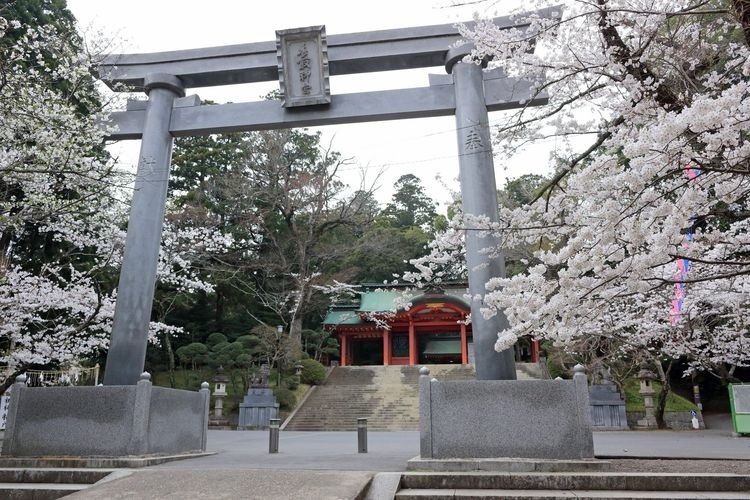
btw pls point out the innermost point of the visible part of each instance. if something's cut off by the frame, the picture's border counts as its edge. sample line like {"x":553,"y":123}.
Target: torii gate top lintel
{"x":384,"y":50}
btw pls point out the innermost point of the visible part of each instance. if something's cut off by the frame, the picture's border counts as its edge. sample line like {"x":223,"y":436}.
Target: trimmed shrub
{"x":292,"y":382}
{"x":214,"y":339}
{"x":313,"y":372}
{"x":285,"y":397}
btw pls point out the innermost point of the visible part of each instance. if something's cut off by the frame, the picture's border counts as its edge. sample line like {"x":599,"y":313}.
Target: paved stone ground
{"x":389,"y":451}
{"x":707,"y":444}
{"x":229,"y":484}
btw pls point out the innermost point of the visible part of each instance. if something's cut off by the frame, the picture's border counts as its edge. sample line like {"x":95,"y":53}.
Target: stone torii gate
{"x":302,"y":60}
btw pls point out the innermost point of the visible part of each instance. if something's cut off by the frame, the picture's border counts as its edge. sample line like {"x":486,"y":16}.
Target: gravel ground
{"x":704,"y":466}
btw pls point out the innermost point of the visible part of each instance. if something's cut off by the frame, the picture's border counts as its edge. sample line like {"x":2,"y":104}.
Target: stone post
{"x":16,"y":393}
{"x":425,"y":414}
{"x":646,"y":378}
{"x":141,"y":410}
{"x":206,"y":393}
{"x":581,"y":387}
{"x":135,"y":291}
{"x":479,"y":198}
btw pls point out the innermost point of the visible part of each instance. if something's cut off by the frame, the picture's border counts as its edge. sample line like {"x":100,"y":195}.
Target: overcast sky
{"x":425,"y":147}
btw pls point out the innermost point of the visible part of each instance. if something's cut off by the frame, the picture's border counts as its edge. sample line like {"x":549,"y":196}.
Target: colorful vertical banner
{"x":683,"y":265}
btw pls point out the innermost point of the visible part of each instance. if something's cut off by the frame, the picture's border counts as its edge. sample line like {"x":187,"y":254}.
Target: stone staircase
{"x":386,"y":395}
{"x":599,"y":485}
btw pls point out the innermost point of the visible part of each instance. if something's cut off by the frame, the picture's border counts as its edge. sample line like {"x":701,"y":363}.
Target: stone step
{"x":453,"y":494}
{"x":576,"y":481}
{"x":387,"y":396}
{"x":50,"y":475}
{"x":38,"y":491}
{"x":47,"y":483}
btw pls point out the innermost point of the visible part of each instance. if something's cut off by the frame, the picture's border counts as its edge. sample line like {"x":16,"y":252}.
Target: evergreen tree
{"x":410,"y":205}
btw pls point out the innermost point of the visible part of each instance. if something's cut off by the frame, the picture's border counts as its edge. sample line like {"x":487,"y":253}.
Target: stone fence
{"x":111,"y":421}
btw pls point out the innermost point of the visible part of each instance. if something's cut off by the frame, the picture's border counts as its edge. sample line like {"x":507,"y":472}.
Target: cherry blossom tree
{"x":61,"y":207}
{"x":642,"y":233}
{"x":57,"y":202}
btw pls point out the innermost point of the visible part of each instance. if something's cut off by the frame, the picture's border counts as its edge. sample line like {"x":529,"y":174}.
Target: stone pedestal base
{"x":607,"y":408}
{"x":219,"y":423}
{"x":647,"y":423}
{"x":105,"y":421}
{"x":257,"y":409}
{"x":539,"y":419}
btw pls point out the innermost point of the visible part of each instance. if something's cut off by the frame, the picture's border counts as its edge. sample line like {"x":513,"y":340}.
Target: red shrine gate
{"x":432,"y":331}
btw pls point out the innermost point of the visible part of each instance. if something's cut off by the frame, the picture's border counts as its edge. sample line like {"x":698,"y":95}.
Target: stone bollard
{"x":273,"y":435}
{"x":362,"y":435}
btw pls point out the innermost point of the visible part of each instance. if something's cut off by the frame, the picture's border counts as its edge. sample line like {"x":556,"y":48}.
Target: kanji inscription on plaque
{"x":302,"y":55}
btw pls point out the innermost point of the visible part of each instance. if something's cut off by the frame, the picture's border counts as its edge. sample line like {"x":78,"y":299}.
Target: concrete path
{"x":707,"y":444}
{"x":389,"y":451}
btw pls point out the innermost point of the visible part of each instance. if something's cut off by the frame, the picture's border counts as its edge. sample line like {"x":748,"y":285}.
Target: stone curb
{"x":96,"y":462}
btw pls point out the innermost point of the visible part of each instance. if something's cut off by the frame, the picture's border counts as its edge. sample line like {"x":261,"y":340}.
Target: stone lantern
{"x":646,"y":378}
{"x":298,"y":369}
{"x":220,"y":392}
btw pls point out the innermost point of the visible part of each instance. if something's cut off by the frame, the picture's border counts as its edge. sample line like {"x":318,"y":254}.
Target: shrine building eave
{"x":387,"y":305}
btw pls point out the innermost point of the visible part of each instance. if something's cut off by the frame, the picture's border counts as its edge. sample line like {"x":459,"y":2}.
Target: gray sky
{"x":425,"y":147}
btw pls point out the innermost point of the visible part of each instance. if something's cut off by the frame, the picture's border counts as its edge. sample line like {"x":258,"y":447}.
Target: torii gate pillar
{"x":135,"y":293}
{"x":479,"y":198}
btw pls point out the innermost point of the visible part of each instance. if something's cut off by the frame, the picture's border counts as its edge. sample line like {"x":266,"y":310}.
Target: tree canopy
{"x":641,"y":235}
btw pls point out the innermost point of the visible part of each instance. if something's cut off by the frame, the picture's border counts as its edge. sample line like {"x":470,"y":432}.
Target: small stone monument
{"x":646,"y":376}
{"x":259,"y":405}
{"x":220,"y":392}
{"x":607,"y":407}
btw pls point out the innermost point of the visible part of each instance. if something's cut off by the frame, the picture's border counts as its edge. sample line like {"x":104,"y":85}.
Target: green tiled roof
{"x":340,"y":317}
{"x":378,"y":301}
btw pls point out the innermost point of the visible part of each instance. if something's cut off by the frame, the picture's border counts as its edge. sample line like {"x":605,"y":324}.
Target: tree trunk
{"x":661,"y":397}
{"x":11,"y":379}
{"x":296,"y":327}
{"x":219,"y":309}
{"x":170,"y":360}
{"x":742,"y":11}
